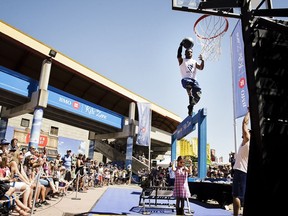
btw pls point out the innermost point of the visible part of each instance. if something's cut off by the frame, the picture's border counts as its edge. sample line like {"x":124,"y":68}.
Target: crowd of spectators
{"x":29,"y":174}
{"x":163,"y":176}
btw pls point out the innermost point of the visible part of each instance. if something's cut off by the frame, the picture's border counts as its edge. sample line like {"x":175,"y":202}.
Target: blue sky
{"x":134,"y":43}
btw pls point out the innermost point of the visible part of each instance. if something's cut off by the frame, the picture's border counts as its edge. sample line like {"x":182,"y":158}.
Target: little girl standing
{"x":181,"y":189}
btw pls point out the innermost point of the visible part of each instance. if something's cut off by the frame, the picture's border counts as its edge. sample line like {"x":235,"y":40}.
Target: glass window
{"x":25,"y":122}
{"x":54,"y":131}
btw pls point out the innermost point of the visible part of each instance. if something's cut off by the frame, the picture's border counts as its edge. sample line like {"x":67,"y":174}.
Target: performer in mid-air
{"x":188,"y":69}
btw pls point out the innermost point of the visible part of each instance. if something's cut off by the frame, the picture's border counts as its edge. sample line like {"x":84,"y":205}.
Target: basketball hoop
{"x":209,"y":30}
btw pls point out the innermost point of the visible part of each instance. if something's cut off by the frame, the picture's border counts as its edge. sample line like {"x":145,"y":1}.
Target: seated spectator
{"x":41,"y":190}
{"x":14,"y":144}
{"x":4,"y":146}
{"x":63,"y":184}
{"x":24,"y":150}
{"x":54,"y":173}
{"x":20,"y":183}
{"x":10,"y":191}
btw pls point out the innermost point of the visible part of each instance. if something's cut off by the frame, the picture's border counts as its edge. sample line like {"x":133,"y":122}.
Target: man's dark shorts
{"x":239,"y":184}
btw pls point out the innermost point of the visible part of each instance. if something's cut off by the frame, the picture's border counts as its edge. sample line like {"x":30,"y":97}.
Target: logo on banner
{"x":43,"y":140}
{"x":76,"y":105}
{"x":242,"y":82}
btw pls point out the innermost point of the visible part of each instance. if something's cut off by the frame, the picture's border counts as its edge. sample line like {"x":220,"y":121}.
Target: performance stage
{"x":125,"y":201}
{"x":220,"y":191}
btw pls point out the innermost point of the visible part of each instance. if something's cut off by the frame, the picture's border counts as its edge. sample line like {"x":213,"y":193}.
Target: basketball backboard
{"x":211,"y":7}
{"x":229,"y":8}
{"x":194,"y":4}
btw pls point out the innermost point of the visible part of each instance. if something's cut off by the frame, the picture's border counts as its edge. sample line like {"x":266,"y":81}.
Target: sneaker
{"x":45,"y":203}
{"x":55,"y":195}
{"x":190,"y":110}
{"x":38,"y":205}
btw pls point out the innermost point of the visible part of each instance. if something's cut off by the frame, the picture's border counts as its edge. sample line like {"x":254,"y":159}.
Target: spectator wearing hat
{"x":5,"y":146}
{"x":29,"y":160}
{"x":67,"y":163}
{"x":30,"y":151}
{"x":27,"y":156}
{"x":4,"y":142}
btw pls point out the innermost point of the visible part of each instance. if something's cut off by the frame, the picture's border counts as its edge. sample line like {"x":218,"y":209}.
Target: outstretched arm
{"x":179,"y":54}
{"x":245,"y":131}
{"x":201,"y":65}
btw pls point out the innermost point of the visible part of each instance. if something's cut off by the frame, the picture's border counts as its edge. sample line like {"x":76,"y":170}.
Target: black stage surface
{"x":220,"y":191}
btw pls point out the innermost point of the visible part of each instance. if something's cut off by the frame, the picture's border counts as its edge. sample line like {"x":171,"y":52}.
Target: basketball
{"x":187,"y":42}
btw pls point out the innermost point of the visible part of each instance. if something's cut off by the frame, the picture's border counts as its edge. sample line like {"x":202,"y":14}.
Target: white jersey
{"x":188,"y":68}
{"x":241,"y":160}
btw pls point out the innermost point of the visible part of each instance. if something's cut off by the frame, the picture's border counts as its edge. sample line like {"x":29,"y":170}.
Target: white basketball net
{"x":209,"y":31}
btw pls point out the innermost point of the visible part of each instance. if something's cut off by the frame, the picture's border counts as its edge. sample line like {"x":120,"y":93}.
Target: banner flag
{"x":240,"y":90}
{"x":144,"y":127}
